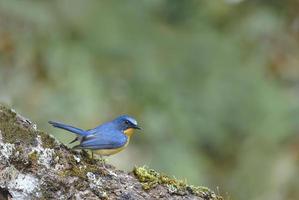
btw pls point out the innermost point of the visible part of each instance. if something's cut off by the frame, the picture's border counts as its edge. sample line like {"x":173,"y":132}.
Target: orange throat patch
{"x":129,"y":132}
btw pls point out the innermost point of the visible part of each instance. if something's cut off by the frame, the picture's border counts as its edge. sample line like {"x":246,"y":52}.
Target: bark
{"x":33,"y":165}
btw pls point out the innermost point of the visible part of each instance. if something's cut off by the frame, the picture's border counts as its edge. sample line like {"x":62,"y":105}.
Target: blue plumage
{"x":108,"y":136}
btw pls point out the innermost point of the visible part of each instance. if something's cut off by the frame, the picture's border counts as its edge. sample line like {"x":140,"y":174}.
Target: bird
{"x":106,"y":139}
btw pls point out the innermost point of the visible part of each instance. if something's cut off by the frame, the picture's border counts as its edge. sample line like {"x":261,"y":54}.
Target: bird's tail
{"x":72,"y":129}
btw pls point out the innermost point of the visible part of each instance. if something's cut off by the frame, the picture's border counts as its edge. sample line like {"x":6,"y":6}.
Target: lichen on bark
{"x":33,"y":165}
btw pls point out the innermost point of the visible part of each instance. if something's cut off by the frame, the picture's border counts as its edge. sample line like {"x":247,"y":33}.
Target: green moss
{"x":50,"y":186}
{"x":47,"y":140}
{"x":33,"y":156}
{"x":199,"y":190}
{"x":12,"y":130}
{"x":18,"y":149}
{"x":149,"y":179}
{"x":81,"y":185}
{"x":59,"y":154}
{"x":77,"y":169}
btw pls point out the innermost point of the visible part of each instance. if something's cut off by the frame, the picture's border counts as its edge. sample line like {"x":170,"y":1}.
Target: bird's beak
{"x":137,"y":127}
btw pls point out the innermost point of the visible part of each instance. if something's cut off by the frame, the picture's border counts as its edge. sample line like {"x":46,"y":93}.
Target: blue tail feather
{"x":72,"y":129}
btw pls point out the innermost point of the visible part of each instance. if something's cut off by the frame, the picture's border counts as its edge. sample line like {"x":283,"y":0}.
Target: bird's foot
{"x":103,"y":160}
{"x":111,"y":173}
{"x":106,"y":171}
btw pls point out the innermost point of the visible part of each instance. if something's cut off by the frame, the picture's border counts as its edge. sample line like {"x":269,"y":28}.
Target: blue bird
{"x":106,"y":139}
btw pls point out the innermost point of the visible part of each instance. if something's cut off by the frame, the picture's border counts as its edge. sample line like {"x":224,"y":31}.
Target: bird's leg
{"x":111,"y":173}
{"x":92,"y":157}
{"x":103,"y":163}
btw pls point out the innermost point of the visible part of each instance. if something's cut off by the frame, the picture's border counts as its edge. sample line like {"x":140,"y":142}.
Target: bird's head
{"x":127,"y":124}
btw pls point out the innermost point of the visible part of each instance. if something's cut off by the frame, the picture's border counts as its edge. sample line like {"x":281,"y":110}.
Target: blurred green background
{"x":214,"y":83}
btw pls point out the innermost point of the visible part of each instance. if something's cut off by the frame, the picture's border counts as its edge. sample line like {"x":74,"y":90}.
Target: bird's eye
{"x":127,"y":122}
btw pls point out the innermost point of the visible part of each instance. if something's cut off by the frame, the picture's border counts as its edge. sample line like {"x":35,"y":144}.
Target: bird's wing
{"x":106,"y":140}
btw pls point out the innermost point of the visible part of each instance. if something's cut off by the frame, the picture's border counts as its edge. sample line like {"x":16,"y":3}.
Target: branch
{"x":33,"y":165}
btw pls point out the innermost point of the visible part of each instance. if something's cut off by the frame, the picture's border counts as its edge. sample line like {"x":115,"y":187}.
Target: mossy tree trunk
{"x":33,"y":165}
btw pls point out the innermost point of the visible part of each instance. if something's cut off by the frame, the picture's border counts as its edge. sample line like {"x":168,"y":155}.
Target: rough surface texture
{"x":33,"y":165}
